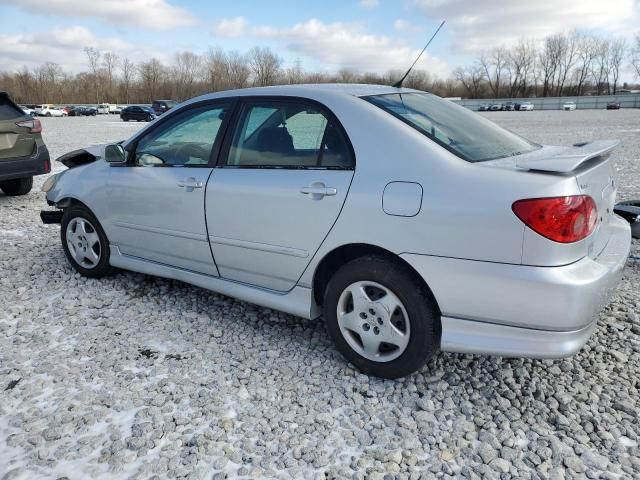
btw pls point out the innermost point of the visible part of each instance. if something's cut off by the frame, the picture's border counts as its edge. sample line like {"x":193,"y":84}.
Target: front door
{"x":283,"y":178}
{"x":156,"y":202}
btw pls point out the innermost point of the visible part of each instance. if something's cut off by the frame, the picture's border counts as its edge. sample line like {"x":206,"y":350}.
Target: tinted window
{"x":184,"y":140}
{"x":8,"y":110}
{"x":463,"y":132}
{"x":287,"y":135}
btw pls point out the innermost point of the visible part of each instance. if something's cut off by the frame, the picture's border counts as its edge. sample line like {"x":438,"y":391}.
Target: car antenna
{"x":399,"y":83}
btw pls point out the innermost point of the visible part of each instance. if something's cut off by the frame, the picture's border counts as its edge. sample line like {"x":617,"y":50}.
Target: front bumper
{"x":37,"y":164}
{"x":524,"y":311}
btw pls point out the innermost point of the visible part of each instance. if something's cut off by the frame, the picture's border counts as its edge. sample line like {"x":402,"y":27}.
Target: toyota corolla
{"x":410,"y":224}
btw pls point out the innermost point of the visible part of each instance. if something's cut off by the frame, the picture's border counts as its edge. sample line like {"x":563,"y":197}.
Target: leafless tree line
{"x":574,"y":63}
{"x":560,"y":64}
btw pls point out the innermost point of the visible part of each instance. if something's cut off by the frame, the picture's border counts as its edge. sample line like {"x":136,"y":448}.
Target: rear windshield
{"x":8,"y":111}
{"x":461,"y":131}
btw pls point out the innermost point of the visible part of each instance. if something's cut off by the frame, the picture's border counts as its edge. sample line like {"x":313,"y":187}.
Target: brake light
{"x":561,"y":219}
{"x":34,"y":125}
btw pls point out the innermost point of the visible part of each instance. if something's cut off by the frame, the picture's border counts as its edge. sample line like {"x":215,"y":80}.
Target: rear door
{"x":284,"y":175}
{"x":15,"y":141}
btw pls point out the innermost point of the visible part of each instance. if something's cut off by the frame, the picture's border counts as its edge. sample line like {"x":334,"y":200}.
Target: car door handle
{"x":190,"y":183}
{"x":317,"y":190}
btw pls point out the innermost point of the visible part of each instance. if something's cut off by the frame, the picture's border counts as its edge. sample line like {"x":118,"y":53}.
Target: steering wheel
{"x":192,"y":150}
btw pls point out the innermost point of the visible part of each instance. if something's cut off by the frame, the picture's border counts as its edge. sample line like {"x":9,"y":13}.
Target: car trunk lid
{"x":590,"y":164}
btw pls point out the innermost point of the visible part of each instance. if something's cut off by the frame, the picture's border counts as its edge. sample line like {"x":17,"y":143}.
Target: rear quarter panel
{"x":466,"y":208}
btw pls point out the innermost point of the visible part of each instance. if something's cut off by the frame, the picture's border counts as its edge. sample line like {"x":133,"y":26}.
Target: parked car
{"x":162,"y":106}
{"x":290,"y":201}
{"x":82,"y":111}
{"x":136,"y":112}
{"x":102,"y":108}
{"x":115,"y":109}
{"x":496,"y":107}
{"x":29,"y":111}
{"x":509,"y":106}
{"x":23,"y":153}
{"x":484,"y":107}
{"x":569,"y":106}
{"x":526,"y":107}
{"x":49,"y":111}
{"x":613,"y":106}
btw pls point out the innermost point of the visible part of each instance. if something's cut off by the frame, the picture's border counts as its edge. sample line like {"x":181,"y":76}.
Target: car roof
{"x":310,"y":90}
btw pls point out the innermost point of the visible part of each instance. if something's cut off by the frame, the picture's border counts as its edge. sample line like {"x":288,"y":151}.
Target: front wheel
{"x":381,"y":317}
{"x":17,"y":187}
{"x":84,"y":242}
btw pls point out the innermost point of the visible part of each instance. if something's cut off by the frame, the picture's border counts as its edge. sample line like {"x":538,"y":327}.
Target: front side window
{"x":461,"y":131}
{"x":185,"y":140}
{"x":288,"y":135}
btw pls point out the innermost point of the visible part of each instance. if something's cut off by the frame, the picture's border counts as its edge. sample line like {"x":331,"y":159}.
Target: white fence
{"x":555,"y":103}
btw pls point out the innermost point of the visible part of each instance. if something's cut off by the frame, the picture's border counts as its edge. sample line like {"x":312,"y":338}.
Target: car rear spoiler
{"x":567,"y":160}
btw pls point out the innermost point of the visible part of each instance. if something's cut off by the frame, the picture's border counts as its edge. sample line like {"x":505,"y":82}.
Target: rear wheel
{"x":19,"y":186}
{"x":381,"y":317}
{"x":84,"y":242}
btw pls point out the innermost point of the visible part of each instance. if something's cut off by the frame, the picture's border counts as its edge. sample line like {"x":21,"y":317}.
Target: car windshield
{"x":461,"y":131}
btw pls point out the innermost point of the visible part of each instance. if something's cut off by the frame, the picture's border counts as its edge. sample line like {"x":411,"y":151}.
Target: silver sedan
{"x":409,"y":223}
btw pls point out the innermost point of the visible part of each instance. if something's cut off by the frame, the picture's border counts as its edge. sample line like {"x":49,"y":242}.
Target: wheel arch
{"x":337,"y":257}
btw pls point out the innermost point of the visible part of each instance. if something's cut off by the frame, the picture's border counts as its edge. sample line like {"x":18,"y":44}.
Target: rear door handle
{"x":318,"y":190}
{"x":190,"y":183}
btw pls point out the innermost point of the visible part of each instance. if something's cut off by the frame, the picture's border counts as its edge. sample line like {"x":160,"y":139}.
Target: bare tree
{"x":549,"y":62}
{"x":587,"y":51}
{"x":471,"y":79}
{"x":187,"y":69}
{"x":520,"y":67}
{"x":265,"y":66}
{"x":110,"y":61}
{"x":150,"y":76}
{"x":494,"y":65}
{"x":568,"y":52}
{"x":128,"y":74}
{"x":635,"y":56}
{"x":294,"y":74}
{"x":617,"y":53}
{"x":93,"y":58}
{"x":600,"y":65}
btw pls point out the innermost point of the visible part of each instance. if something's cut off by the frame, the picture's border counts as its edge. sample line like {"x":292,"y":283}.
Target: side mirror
{"x":115,"y":154}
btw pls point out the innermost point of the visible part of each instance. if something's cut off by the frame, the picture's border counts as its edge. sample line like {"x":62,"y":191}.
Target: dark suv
{"x":23,"y":153}
{"x":138,"y":113}
{"x":161,"y":106}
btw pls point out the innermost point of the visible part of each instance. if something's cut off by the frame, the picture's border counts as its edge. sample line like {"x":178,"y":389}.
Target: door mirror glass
{"x":114,"y":154}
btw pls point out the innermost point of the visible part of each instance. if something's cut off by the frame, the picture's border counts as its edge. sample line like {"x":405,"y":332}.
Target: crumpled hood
{"x":83,"y":156}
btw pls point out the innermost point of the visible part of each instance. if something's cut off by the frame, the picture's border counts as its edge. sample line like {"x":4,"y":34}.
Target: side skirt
{"x":299,"y":301}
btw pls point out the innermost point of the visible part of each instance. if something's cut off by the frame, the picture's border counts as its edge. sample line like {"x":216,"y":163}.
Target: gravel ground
{"x":134,"y":376}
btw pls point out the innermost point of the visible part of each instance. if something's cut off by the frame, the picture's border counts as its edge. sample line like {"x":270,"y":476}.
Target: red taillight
{"x":561,"y":219}
{"x":34,"y":125}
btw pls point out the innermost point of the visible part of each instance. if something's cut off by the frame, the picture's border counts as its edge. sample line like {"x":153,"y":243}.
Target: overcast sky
{"x":366,"y":35}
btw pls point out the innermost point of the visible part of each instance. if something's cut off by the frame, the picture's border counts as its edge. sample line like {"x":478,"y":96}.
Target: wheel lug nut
{"x":363,"y":315}
{"x":365,"y":327}
{"x":376,"y":330}
{"x":372,"y":311}
{"x":379,"y":321}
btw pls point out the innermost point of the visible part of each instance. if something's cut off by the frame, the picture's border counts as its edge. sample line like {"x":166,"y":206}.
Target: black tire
{"x":17,"y":187}
{"x":421,"y":307}
{"x":102,"y":267}
{"x":148,"y":118}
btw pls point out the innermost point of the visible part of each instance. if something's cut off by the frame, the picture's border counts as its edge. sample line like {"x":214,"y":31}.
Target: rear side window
{"x":8,"y":111}
{"x":288,"y":135}
{"x":461,"y":131}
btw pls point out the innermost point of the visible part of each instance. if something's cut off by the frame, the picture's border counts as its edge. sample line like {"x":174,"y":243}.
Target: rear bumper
{"x":517,"y":310}
{"x":37,"y":164}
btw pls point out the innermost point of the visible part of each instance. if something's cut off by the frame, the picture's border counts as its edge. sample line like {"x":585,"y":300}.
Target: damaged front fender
{"x":85,"y":155}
